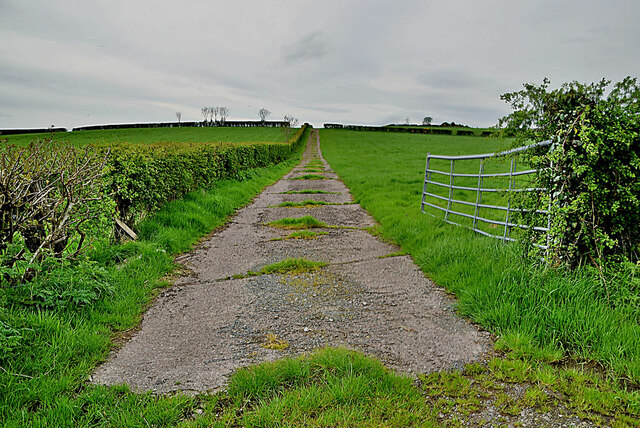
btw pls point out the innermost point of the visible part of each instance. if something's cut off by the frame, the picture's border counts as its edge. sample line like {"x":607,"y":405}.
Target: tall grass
{"x":536,"y":310}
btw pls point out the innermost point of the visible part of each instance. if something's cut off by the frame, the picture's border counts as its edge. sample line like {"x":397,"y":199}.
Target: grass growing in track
{"x":156,"y":135}
{"x":295,"y":266}
{"x":306,"y":222}
{"x":304,"y":192}
{"x":307,"y":203}
{"x":301,"y":234}
{"x":310,"y":177}
{"x":543,"y":313}
{"x":43,"y":383}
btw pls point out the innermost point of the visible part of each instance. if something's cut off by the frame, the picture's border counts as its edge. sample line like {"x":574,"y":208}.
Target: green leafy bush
{"x":591,"y":171}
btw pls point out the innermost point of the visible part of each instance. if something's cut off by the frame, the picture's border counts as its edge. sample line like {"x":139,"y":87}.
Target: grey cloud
{"x":446,"y":78}
{"x":309,"y":46}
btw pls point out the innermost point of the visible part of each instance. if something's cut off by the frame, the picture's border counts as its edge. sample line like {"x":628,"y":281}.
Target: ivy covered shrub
{"x":592,"y":169}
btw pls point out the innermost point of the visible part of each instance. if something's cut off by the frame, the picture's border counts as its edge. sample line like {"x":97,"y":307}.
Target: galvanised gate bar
{"x":507,"y":224}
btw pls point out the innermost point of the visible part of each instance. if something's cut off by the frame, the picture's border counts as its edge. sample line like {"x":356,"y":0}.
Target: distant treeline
{"x":412,"y":130}
{"x":227,"y":124}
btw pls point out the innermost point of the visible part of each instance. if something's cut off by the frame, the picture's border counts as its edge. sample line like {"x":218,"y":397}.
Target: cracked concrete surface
{"x":206,"y":326}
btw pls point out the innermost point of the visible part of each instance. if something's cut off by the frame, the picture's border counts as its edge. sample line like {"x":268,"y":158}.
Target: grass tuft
{"x":306,"y":222}
{"x":291,"y":265}
{"x":310,"y":177}
{"x":308,"y":191}
{"x":307,"y":203}
{"x":395,"y":254}
{"x":275,"y":343}
{"x":301,"y":234}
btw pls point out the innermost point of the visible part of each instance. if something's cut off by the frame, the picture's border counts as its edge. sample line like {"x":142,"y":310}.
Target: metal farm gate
{"x":503,"y":226}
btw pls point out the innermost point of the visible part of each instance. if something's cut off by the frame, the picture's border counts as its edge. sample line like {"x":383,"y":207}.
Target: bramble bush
{"x":591,"y":170}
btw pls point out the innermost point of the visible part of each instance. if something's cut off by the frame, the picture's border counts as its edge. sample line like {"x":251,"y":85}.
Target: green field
{"x":157,"y":135}
{"x":538,"y":311}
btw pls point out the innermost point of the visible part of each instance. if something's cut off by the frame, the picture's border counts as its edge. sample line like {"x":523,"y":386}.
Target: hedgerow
{"x":143,"y":178}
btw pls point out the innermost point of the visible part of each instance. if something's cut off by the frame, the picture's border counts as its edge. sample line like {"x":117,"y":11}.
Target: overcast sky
{"x":79,"y":62}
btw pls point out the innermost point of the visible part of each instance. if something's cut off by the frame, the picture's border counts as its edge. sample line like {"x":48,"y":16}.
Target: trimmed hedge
{"x":143,"y":178}
{"x":227,"y":124}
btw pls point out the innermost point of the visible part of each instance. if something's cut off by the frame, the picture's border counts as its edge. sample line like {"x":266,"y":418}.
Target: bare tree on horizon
{"x":292,"y":122}
{"x":263,"y":113}
{"x":179,"y":115}
{"x":224,"y":113}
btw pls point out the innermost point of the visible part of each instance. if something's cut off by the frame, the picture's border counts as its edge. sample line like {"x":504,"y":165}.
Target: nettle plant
{"x":592,"y":169}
